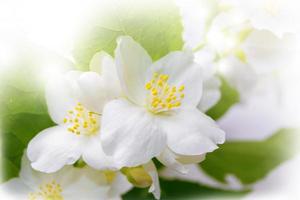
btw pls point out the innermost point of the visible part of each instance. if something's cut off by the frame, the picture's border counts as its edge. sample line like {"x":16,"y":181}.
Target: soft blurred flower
{"x":69,"y":183}
{"x":277,"y":16}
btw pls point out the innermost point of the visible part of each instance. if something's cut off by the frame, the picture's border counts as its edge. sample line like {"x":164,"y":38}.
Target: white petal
{"x":190,"y":159}
{"x":104,"y":64}
{"x":239,"y":75}
{"x":132,"y":62}
{"x":196,"y":16}
{"x":211,"y":83}
{"x":265,"y":52}
{"x":155,"y":187}
{"x":182,"y":70}
{"x":92,"y":91}
{"x":197,"y":175}
{"x":191,"y":132}
{"x":61,"y":95}
{"x":14,"y":189}
{"x":243,"y":120}
{"x":94,"y":156}
{"x":168,"y":158}
{"x":119,"y":186}
{"x":97,"y":61}
{"x":277,"y":16}
{"x":130,"y":134}
{"x":85,"y":188}
{"x":53,"y":148}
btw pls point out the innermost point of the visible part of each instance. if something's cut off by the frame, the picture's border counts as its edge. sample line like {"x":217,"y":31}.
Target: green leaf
{"x":19,"y":129}
{"x":154,"y":24}
{"x":182,"y":190}
{"x":250,"y":160}
{"x":23,"y":110}
{"x":229,"y":97}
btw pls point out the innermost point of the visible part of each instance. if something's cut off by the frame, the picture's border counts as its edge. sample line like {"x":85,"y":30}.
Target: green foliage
{"x":229,"y":97}
{"x":250,"y":160}
{"x":23,"y":109}
{"x":154,"y":24}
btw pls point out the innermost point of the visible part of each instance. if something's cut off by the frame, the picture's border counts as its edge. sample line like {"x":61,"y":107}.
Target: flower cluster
{"x":115,"y":119}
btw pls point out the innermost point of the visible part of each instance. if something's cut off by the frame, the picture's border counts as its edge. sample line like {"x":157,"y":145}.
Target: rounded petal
{"x":211,"y":94}
{"x":152,"y":171}
{"x":132,"y":62}
{"x":119,"y":186}
{"x":266,"y":53}
{"x":104,"y":64}
{"x":190,"y":159}
{"x":94,"y":156}
{"x":196,"y":16}
{"x":168,"y":158}
{"x":14,"y":189}
{"x":182,"y":70}
{"x":85,"y":188}
{"x":130,"y":134}
{"x":191,"y":132}
{"x":92,"y":91}
{"x":239,"y":75}
{"x":53,"y":148}
{"x":61,"y":95}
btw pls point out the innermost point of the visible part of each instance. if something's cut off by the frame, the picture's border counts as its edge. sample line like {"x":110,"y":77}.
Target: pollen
{"x":81,"y":121}
{"x":51,"y":190}
{"x":162,"y":96}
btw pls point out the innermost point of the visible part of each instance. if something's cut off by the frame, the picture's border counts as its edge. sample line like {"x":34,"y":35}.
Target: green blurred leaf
{"x":250,"y":160}
{"x":182,"y":190}
{"x":19,"y":129}
{"x":23,"y":110}
{"x":229,"y":97}
{"x":154,"y":24}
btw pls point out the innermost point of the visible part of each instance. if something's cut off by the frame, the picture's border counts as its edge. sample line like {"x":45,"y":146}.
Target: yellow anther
{"x":160,"y":83}
{"x":181,"y":88}
{"x":162,"y":96}
{"x":71,"y":112}
{"x":154,"y":92}
{"x":177,"y":104}
{"x":71,"y":129}
{"x":155,"y":104}
{"x":166,"y":78}
{"x":83,"y":121}
{"x":148,"y":86}
{"x":174,"y":89}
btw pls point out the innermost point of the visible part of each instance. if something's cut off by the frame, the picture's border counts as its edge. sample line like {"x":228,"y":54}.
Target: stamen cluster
{"x":48,"y":191}
{"x":82,"y":120}
{"x":162,"y":96}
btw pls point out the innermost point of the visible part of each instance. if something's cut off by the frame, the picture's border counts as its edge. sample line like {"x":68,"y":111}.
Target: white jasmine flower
{"x":277,"y":16}
{"x":75,"y":102}
{"x":69,"y":183}
{"x":159,"y":116}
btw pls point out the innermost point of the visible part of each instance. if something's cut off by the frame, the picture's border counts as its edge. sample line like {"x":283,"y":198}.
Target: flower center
{"x":162,"y":96}
{"x":82,"y":121}
{"x":49,"y":191}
